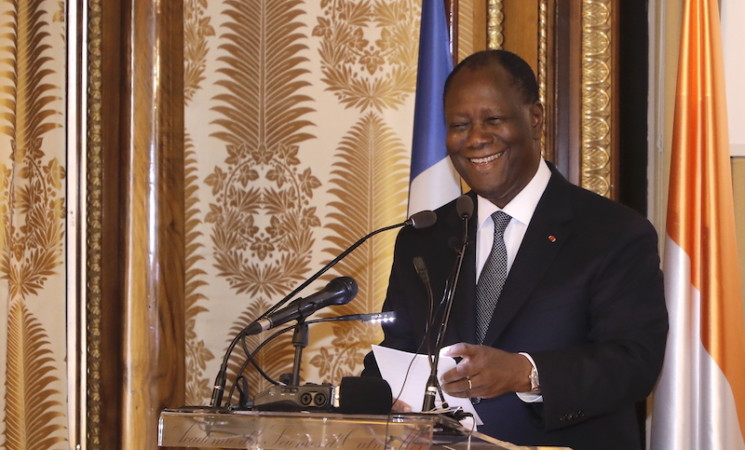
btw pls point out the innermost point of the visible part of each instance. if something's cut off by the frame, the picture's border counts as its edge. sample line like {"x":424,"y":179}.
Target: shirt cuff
{"x":527,"y":397}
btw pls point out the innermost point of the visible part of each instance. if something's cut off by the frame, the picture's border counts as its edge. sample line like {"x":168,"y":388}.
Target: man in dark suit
{"x":577,"y":336}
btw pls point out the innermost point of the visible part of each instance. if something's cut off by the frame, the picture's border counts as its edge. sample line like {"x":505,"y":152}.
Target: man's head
{"x":493,"y":121}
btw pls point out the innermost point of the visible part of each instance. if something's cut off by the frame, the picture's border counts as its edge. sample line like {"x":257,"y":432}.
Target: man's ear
{"x":536,"y":119}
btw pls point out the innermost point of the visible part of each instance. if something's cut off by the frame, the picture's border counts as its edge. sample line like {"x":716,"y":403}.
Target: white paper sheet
{"x":410,"y":371}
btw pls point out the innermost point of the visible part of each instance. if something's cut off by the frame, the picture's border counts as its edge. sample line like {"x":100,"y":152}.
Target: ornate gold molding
{"x":94,"y":224}
{"x":547,"y":138}
{"x":595,"y":118}
{"x":495,"y":13}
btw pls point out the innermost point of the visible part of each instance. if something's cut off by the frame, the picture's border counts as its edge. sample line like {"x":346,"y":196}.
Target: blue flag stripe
{"x":435,"y":63}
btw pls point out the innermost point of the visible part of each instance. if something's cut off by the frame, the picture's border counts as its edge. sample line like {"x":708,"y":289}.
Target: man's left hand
{"x":485,"y":372}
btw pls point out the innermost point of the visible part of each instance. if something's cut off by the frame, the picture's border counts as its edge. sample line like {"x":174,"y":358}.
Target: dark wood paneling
{"x":142,"y":268}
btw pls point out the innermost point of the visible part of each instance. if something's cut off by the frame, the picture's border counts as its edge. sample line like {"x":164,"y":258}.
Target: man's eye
{"x":458,"y":126}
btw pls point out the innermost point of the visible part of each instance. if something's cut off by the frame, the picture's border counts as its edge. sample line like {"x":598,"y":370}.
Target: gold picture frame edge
{"x":94,"y":227}
{"x":596,"y":124}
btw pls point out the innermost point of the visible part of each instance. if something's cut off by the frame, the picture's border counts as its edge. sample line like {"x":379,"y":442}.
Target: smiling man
{"x":559,"y":316}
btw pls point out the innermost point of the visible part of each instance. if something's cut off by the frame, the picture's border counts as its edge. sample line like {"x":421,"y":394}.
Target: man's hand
{"x":400,"y":406}
{"x":485,"y":372}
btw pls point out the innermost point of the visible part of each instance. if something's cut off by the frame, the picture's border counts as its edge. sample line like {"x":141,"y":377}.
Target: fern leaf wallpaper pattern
{"x":33,"y":399}
{"x":298,"y":120}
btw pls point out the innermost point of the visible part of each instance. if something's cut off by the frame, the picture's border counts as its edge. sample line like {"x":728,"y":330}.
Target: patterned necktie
{"x":492,"y":276}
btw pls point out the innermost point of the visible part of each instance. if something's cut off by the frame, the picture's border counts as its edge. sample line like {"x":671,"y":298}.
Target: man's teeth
{"x":486,"y":159}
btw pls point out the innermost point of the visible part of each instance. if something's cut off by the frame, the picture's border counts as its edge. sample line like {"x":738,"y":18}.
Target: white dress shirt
{"x":521,"y":209}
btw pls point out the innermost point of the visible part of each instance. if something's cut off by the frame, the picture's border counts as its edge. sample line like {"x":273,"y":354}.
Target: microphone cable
{"x":251,"y":359}
{"x":432,"y":314}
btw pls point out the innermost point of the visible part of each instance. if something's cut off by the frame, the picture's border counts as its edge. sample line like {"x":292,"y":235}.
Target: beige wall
{"x":738,"y":179}
{"x":732,"y":35}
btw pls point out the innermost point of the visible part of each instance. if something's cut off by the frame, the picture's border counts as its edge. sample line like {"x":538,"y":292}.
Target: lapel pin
{"x":552,"y":238}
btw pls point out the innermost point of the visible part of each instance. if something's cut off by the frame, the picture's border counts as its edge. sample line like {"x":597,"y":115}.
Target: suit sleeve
{"x":405,"y":294}
{"x":627,"y":329}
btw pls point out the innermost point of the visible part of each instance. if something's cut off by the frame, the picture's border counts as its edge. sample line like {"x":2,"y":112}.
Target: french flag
{"x":433,"y":179}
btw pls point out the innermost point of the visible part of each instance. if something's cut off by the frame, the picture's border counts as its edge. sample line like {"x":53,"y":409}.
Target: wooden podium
{"x":212,"y":428}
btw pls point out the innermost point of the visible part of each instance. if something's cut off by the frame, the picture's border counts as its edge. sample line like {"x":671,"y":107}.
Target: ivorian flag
{"x":699,"y":402}
{"x":433,"y":180}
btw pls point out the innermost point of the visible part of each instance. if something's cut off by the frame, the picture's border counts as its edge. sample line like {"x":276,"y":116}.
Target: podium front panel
{"x":269,"y":430}
{"x":212,"y":428}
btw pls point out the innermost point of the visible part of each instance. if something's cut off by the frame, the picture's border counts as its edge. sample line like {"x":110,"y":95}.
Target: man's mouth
{"x":486,"y":159}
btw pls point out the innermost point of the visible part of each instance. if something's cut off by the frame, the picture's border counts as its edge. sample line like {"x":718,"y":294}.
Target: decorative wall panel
{"x":298,"y":126}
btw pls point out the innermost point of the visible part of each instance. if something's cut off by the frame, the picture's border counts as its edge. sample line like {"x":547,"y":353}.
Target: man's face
{"x":492,"y":133}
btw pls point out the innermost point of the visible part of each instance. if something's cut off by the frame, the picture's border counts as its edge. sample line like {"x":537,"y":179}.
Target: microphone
{"x":339,"y":291}
{"x":422,"y":219}
{"x":421,"y":270}
{"x":464,"y":208}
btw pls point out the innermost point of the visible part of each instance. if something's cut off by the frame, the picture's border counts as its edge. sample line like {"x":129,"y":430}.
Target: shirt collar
{"x":522,"y":207}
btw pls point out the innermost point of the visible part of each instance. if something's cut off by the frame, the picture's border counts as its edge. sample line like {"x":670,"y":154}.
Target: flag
{"x":433,"y":180}
{"x":699,"y":402}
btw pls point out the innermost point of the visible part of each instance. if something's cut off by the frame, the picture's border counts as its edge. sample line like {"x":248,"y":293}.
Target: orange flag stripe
{"x":701,"y":206}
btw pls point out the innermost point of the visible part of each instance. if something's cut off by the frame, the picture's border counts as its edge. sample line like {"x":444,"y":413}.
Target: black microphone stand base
{"x":293,"y":397}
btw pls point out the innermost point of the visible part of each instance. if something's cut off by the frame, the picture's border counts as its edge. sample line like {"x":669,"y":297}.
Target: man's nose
{"x":477,"y":136}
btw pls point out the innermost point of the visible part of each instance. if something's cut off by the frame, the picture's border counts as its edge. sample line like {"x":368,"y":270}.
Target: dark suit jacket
{"x":584,"y":297}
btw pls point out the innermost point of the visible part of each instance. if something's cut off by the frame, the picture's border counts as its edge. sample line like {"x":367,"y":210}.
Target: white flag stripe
{"x":434,"y":187}
{"x":695,"y":407}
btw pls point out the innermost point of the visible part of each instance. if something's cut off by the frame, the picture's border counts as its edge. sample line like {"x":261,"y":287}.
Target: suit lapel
{"x":548,"y":230}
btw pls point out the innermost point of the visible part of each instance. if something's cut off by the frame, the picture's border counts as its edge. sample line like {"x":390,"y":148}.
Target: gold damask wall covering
{"x":298,"y":126}
{"x":32,"y":215}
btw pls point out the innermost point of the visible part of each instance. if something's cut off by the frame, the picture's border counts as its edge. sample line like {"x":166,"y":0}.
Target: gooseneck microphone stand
{"x":421,"y":219}
{"x":464,"y":206}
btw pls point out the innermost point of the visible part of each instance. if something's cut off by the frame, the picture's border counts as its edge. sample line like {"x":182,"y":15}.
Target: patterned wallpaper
{"x":32,"y":219}
{"x":298,"y":131}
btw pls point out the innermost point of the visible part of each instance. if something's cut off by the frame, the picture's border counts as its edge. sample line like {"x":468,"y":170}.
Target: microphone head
{"x":464,"y":206}
{"x":419,"y":265}
{"x":344,"y":289}
{"x":422,"y":219}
